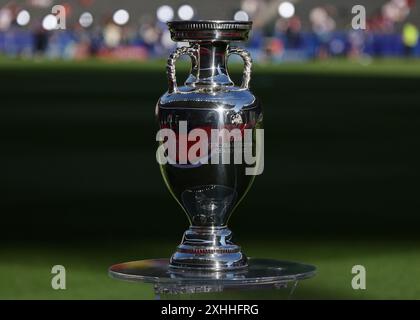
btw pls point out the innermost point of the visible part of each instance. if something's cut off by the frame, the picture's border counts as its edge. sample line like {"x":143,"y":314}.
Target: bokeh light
{"x":49,"y":22}
{"x":185,"y":12}
{"x":165,"y":13}
{"x":86,"y":19}
{"x":23,"y":18}
{"x":241,"y":16}
{"x":250,"y":6}
{"x":121,"y":17}
{"x":286,"y":9}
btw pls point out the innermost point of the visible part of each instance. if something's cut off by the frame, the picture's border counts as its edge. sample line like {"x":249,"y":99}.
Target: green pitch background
{"x":80,"y":186}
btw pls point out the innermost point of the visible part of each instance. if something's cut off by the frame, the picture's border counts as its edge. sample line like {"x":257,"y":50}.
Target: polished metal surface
{"x":209,"y":30}
{"x":208,"y":193}
{"x":259,"y":273}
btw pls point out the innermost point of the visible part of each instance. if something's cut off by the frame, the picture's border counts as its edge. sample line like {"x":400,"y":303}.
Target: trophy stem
{"x":208,"y":249}
{"x":211,"y":71}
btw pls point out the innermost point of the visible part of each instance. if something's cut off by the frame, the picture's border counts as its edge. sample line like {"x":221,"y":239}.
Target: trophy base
{"x":260,"y":273}
{"x":208,"y":249}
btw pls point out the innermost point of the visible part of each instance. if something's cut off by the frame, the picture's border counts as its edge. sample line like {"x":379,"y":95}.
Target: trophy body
{"x":209,"y":186}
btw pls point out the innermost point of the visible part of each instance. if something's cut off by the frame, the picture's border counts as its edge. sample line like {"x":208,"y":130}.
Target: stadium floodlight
{"x":86,"y":19}
{"x":49,"y":22}
{"x":121,"y":17}
{"x":23,"y":18}
{"x":185,"y":12}
{"x":241,"y":16}
{"x":286,"y":9}
{"x":165,"y":13}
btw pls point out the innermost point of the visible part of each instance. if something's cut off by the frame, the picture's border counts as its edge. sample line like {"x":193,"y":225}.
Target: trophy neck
{"x":211,"y":70}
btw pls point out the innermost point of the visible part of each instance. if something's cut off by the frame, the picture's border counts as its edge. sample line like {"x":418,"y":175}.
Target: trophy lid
{"x":209,"y":30}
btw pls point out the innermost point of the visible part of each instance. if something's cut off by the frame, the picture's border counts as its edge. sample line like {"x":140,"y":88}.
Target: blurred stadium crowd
{"x":283,"y":30}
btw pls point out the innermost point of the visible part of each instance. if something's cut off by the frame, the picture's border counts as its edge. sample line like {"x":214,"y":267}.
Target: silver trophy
{"x":203,"y":166}
{"x":209,"y":100}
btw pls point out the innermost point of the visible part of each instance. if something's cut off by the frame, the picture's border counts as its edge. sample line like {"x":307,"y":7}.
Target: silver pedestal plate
{"x":260,"y":274}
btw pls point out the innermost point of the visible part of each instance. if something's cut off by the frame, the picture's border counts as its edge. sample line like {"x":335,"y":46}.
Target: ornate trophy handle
{"x":246,"y":57}
{"x":170,"y":67}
